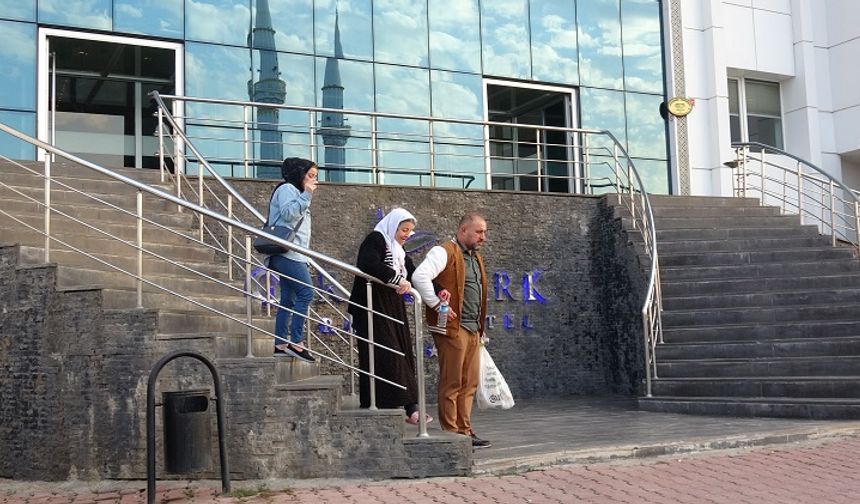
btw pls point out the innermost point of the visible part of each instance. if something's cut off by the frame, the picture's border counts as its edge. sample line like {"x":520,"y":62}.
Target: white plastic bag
{"x":493,"y":391}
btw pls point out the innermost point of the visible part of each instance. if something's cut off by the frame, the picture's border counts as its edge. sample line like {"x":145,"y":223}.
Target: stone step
{"x":718,"y":258}
{"x":659,"y":200}
{"x":127,"y":298}
{"x":679,"y":211}
{"x":769,"y":367}
{"x":126,"y":231}
{"x":765,"y":270}
{"x":226,"y":345}
{"x":781,"y":407}
{"x":756,"y":349}
{"x":187,"y":251}
{"x":735,"y":233}
{"x":69,"y":276}
{"x":678,"y":319}
{"x":721,"y":287}
{"x":720,"y":223}
{"x":772,"y":298}
{"x":760,"y":386}
{"x":736,"y":245}
{"x":123,"y":199}
{"x":151,"y":265}
{"x":94,"y":211}
{"x":762,"y":332}
{"x":93,"y":183}
{"x":67,"y":169}
{"x":177,"y":322}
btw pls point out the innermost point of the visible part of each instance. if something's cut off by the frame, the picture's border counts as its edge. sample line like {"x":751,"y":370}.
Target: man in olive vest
{"x":454,"y":273}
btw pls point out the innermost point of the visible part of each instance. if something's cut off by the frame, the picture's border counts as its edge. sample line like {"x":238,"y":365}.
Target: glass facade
{"x":420,"y":57}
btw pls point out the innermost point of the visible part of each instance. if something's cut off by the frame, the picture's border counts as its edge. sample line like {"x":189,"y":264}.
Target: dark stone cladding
{"x":73,"y":375}
{"x":586,"y":339}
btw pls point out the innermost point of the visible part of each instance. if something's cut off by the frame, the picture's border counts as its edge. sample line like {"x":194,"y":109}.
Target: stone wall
{"x":579,"y":337}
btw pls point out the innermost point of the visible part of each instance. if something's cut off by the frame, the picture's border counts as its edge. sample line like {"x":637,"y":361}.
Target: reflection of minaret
{"x":334,"y":131}
{"x":269,"y":89}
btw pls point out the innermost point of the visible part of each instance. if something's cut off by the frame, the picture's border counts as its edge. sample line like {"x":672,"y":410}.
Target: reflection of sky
{"x":400,"y":27}
{"x":654,"y":175}
{"x":23,"y":10}
{"x":216,"y":72}
{"x":402,"y":90}
{"x":506,"y":38}
{"x":17,"y":65}
{"x":357,"y":80}
{"x":455,"y":41}
{"x":355,"y":28}
{"x":293,"y":23}
{"x":82,"y":13}
{"x":221,"y":21}
{"x":151,"y":17}
{"x":643,"y":66}
{"x":604,"y":110}
{"x":298,"y":72}
{"x":645,"y":126}
{"x":10,"y":146}
{"x":554,"y":41}
{"x":599,"y":43}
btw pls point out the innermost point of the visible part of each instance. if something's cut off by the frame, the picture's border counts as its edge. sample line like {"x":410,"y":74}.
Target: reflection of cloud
{"x":218,"y":23}
{"x":217,"y":72}
{"x":593,"y":74}
{"x":645,"y":127}
{"x":90,"y":13}
{"x":455,"y":42}
{"x":506,"y":38}
{"x":355,"y":27}
{"x":401,"y":28}
{"x":455,"y":100}
{"x":450,"y":15}
{"x":293,"y":24}
{"x":551,"y":66}
{"x":18,"y":45}
{"x":128,"y":10}
{"x":402,"y":90}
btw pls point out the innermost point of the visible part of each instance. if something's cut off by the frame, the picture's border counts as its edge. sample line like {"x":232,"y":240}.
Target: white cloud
{"x":128,"y":10}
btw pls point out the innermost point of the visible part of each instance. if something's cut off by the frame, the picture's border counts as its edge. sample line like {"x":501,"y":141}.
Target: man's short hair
{"x":470,"y":217}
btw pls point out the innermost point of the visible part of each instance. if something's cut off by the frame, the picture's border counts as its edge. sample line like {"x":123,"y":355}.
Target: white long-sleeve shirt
{"x":430,"y":267}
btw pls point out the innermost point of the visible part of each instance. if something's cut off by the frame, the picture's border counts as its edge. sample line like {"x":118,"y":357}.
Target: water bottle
{"x":442,"y":321}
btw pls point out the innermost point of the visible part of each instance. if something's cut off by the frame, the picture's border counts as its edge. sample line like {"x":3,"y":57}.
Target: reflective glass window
{"x":220,"y":21}
{"x":293,"y":22}
{"x":505,"y":30}
{"x":354,"y":22}
{"x":642,"y":41}
{"x":646,"y":129}
{"x":162,"y":18}
{"x":764,"y":113}
{"x":355,"y":92}
{"x":599,"y":31}
{"x":654,"y":174}
{"x":553,"y":35}
{"x":458,"y":147}
{"x":83,"y":14}
{"x":734,"y":111}
{"x":400,"y":31}
{"x":402,"y":90}
{"x":10,"y":146}
{"x":403,"y":144}
{"x":602,"y":110}
{"x":20,"y":10}
{"x":18,"y":65}
{"x":455,"y":38}
{"x":282,"y":78}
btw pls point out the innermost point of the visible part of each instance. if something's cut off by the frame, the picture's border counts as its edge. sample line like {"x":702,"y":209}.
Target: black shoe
{"x":479,"y":443}
{"x":299,"y":353}
{"x":279,"y":352}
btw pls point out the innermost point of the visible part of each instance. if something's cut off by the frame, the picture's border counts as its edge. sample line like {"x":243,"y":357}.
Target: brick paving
{"x":811,"y":472}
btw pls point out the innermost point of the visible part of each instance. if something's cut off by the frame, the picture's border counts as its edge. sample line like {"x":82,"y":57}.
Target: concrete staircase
{"x":299,"y":423}
{"x":761,"y":314}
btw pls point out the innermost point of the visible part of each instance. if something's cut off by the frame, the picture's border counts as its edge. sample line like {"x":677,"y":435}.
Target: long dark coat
{"x":399,"y":369}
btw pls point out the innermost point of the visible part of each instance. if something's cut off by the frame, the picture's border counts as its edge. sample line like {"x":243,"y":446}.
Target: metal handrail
{"x":798,"y":192}
{"x":201,"y":210}
{"x":627,"y":182}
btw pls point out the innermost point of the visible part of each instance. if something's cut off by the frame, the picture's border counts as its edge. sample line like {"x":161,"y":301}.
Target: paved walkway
{"x":812,"y":472}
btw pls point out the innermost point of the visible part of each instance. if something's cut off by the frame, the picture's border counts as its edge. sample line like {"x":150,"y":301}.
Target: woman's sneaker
{"x":299,"y":353}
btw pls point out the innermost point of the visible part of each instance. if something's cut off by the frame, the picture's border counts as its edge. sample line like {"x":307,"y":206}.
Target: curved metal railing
{"x":799,"y":187}
{"x":145,"y":255}
{"x":555,"y":159}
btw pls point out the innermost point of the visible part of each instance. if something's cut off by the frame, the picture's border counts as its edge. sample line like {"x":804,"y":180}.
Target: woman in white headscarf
{"x":381,"y":255}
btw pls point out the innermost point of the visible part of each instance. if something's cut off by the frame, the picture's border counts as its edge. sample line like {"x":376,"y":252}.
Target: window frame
{"x":743,"y":113}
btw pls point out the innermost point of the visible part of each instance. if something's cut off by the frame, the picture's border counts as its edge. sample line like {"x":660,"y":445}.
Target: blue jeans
{"x":294,"y":296}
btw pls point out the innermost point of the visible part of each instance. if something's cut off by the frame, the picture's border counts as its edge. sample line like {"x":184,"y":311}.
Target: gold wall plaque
{"x":679,"y":107}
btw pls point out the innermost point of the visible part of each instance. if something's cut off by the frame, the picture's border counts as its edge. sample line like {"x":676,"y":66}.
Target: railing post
{"x":761,"y":178}
{"x":857,"y":227}
{"x":48,"y":206}
{"x":832,"y":215}
{"x":586,"y":167}
{"x":200,"y":196}
{"x":139,"y":248}
{"x":432,"y":154}
{"x":246,"y":138}
{"x":374,"y":152}
{"x":615,"y":170}
{"x":371,"y":349}
{"x":648,"y":356}
{"x":351,"y":357}
{"x":248,"y":309}
{"x":161,"y":143}
{"x":746,"y":156}
{"x":230,"y":240}
{"x":539,"y":154}
{"x":630,"y":191}
{"x":800,"y":191}
{"x":312,"y":138}
{"x":269,"y":296}
{"x":419,"y":364}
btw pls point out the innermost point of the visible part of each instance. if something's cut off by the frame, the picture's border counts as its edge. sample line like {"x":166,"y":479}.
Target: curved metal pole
{"x":419,"y":363}
{"x":150,"y":420}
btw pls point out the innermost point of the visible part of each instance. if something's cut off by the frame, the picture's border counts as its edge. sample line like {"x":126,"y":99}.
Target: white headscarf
{"x":388,"y":228}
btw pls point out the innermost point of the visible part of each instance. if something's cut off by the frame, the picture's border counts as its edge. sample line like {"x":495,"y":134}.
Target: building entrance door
{"x":531,"y":159}
{"x":94,"y":98}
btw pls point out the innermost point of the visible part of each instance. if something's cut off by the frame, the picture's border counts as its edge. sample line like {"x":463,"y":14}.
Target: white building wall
{"x":811,"y":47}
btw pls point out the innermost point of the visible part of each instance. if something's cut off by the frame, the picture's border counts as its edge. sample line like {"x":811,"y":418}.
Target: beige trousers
{"x":458,"y":379}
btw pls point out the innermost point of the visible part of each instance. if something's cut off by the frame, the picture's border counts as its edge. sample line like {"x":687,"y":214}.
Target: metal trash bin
{"x":187,"y":431}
